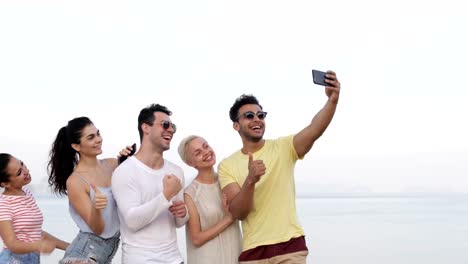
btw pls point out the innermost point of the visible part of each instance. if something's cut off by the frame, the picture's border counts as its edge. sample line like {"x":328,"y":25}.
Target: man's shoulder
{"x":281,"y":139}
{"x":231,"y":158}
{"x":123,"y":169}
{"x":171,"y":164}
{"x":279,"y":143}
{"x":126,"y":165}
{"x":173,"y":168}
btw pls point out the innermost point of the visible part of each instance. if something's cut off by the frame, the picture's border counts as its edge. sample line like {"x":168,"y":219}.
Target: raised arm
{"x":241,"y":198}
{"x":304,"y":140}
{"x":199,"y":236}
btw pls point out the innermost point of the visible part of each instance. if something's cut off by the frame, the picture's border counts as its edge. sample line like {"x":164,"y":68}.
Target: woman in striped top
{"x":20,"y":217}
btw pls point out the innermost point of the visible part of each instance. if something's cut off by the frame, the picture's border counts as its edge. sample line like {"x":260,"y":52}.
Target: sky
{"x":400,"y":125}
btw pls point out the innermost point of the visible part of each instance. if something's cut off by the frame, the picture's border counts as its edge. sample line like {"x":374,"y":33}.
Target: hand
{"x":126,"y":152}
{"x":46,"y":246}
{"x":178,"y":209}
{"x":332,"y":90}
{"x":100,"y":199}
{"x":171,"y":186}
{"x":256,"y":169}
{"x":227,"y":212}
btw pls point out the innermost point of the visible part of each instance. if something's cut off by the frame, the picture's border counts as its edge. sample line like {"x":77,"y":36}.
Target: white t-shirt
{"x":146,"y":225}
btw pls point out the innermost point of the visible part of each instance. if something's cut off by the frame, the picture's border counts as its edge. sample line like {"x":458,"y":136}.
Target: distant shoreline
{"x":44,"y":191}
{"x":327,"y":195}
{"x":382,"y":195}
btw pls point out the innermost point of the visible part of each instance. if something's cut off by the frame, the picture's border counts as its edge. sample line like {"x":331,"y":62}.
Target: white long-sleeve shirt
{"x":145,"y":220}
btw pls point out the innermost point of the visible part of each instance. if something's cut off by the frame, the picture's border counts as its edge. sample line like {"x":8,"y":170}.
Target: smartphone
{"x":319,"y":77}
{"x":123,"y":157}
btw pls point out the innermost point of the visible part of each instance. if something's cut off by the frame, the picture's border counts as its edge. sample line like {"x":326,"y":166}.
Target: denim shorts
{"x":7,"y":257}
{"x":91,"y":248}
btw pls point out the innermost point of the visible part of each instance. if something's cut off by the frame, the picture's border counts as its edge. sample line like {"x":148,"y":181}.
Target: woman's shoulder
{"x":192,"y":189}
{"x":193,"y":185}
{"x":4,"y":202}
{"x":110,"y":163}
{"x":27,"y":191}
{"x":77,"y":182}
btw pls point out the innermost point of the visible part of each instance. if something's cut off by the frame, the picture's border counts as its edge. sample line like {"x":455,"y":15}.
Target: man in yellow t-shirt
{"x":259,"y":180}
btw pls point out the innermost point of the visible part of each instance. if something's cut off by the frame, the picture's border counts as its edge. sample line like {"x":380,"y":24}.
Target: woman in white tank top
{"x":75,"y":171}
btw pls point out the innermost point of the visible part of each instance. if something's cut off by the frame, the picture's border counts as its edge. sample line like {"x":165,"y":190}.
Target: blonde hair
{"x":182,"y":149}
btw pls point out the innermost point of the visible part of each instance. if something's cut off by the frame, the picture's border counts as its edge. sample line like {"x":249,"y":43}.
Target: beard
{"x":250,"y":137}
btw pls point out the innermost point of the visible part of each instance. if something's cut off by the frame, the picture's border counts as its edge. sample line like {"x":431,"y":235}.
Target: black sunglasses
{"x":251,"y":115}
{"x":166,"y":124}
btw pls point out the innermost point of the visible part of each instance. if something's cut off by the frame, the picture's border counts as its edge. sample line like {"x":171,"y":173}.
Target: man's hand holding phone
{"x":319,"y":77}
{"x":331,"y":83}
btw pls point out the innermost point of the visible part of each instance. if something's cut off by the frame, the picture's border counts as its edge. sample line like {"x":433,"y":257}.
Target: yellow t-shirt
{"x":273,"y":217}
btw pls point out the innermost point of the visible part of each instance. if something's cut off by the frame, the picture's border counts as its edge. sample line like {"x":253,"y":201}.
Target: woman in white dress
{"x":213,"y":236}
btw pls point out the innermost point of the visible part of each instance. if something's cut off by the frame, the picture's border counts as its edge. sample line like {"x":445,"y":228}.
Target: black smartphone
{"x":123,"y":157}
{"x":319,"y":77}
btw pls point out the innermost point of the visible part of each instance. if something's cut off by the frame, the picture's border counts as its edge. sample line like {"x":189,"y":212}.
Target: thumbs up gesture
{"x":100,"y":199}
{"x":256,"y":169}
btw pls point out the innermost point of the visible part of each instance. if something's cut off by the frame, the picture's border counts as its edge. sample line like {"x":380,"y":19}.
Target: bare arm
{"x":304,"y":140}
{"x":19,"y":247}
{"x":78,"y":195}
{"x":60,"y":244}
{"x":241,"y":199}
{"x":199,"y":236}
{"x":111,"y":162}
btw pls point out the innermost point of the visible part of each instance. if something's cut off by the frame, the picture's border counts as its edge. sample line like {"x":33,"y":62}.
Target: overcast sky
{"x":400,"y":124}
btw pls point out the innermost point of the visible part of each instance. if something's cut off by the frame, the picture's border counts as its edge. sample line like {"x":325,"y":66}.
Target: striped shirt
{"x":24,"y":214}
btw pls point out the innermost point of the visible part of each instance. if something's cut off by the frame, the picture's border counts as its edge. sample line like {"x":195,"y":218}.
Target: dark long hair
{"x":4,"y":160}
{"x":62,"y":157}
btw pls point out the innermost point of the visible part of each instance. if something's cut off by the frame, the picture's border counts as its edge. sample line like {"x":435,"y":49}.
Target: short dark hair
{"x":146,"y":116}
{"x":241,"y":101}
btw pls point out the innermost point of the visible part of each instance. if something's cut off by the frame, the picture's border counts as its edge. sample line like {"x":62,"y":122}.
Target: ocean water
{"x":430,"y":229}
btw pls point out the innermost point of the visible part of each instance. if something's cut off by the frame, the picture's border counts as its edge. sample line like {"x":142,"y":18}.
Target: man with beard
{"x":149,"y":195}
{"x":259,"y":180}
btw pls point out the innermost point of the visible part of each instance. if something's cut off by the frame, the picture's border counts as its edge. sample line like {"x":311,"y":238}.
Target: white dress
{"x":225,"y":247}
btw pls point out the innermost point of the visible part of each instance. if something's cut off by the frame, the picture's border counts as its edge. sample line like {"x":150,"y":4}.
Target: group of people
{"x":142,"y":200}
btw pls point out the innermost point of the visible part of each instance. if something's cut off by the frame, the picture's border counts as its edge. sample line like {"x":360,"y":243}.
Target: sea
{"x":360,"y":229}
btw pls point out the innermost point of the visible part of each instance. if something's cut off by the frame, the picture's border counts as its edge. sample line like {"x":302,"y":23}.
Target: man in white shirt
{"x":149,"y":195}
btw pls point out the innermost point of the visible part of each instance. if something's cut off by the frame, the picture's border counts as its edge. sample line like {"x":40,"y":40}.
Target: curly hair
{"x":241,"y":101}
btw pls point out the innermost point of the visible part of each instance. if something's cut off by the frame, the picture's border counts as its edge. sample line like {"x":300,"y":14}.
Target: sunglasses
{"x":166,"y":124}
{"x":251,"y":115}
